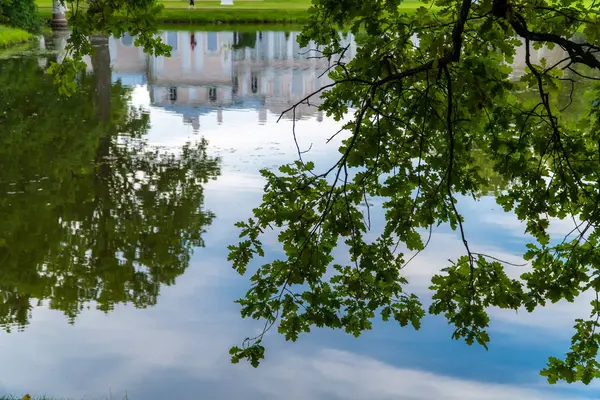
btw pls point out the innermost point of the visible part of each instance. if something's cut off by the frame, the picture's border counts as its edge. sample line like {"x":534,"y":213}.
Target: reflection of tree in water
{"x":89,"y":212}
{"x":242,"y":40}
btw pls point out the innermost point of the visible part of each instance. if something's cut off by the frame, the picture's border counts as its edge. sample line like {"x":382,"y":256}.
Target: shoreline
{"x":243,"y":12}
{"x":220,"y":14}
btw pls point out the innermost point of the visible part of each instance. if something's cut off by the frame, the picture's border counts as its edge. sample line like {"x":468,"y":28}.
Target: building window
{"x":173,"y":93}
{"x":212,"y":94}
{"x":172,"y":39}
{"x":212,"y":41}
{"x":254,"y":80}
{"x":236,"y":86}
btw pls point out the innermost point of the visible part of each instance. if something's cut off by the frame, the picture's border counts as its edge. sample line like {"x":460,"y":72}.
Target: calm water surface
{"x":116,"y":208}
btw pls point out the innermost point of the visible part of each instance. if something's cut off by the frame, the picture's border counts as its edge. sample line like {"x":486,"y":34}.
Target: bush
{"x":20,"y":13}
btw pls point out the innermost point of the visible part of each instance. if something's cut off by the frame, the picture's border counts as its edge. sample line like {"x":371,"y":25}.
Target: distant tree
{"x":20,"y":13}
{"x":436,"y":116}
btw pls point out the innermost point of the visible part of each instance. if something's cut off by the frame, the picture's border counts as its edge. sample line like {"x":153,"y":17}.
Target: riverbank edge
{"x":203,"y":16}
{"x":10,"y":36}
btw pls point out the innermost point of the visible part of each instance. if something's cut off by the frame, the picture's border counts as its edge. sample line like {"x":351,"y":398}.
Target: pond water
{"x":116,"y":209}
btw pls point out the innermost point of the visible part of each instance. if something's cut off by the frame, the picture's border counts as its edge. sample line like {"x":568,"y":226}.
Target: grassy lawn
{"x":243,"y":11}
{"x":10,"y":36}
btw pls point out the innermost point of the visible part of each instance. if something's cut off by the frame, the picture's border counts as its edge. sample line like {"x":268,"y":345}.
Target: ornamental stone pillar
{"x":59,"y":15}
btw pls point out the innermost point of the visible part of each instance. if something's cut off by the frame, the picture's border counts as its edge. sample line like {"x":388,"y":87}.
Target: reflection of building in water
{"x":206,"y":72}
{"x":272,"y":76}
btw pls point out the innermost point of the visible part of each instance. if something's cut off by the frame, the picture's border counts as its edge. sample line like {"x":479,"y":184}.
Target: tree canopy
{"x":91,"y":214}
{"x":429,"y":94}
{"x":20,"y":13}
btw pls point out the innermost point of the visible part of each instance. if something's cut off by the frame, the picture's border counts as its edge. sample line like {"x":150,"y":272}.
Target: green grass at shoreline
{"x":208,"y":12}
{"x":232,"y":27}
{"x":10,"y":36}
{"x":216,"y":15}
{"x":242,"y":12}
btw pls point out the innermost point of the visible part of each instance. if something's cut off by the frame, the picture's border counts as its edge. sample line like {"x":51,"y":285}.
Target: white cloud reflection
{"x":343,"y":375}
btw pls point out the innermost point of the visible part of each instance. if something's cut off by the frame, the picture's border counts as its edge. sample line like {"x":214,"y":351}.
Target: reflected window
{"x":297,"y":83}
{"x":254,"y":80}
{"x":172,"y":39}
{"x":211,"y":41}
{"x":236,"y":86}
{"x":173,"y":93}
{"x":127,"y":39}
{"x":212,"y":94}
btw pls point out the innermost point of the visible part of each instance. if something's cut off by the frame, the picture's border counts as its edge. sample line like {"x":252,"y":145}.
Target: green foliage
{"x":20,"y":13}
{"x":89,"y":211}
{"x":437,"y":115}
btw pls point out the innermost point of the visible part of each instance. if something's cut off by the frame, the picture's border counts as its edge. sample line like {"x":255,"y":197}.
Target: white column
{"x":199,"y":52}
{"x":352,"y":45}
{"x":246,"y":81}
{"x":227,"y":61}
{"x":112,"y":49}
{"x":160,"y":61}
{"x":186,"y":52}
{"x":263,"y":82}
{"x":60,"y":43}
{"x":270,"y":81}
{"x":290,"y":47}
{"x":260,"y":42}
{"x":271,"y":43}
{"x":42,"y":61}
